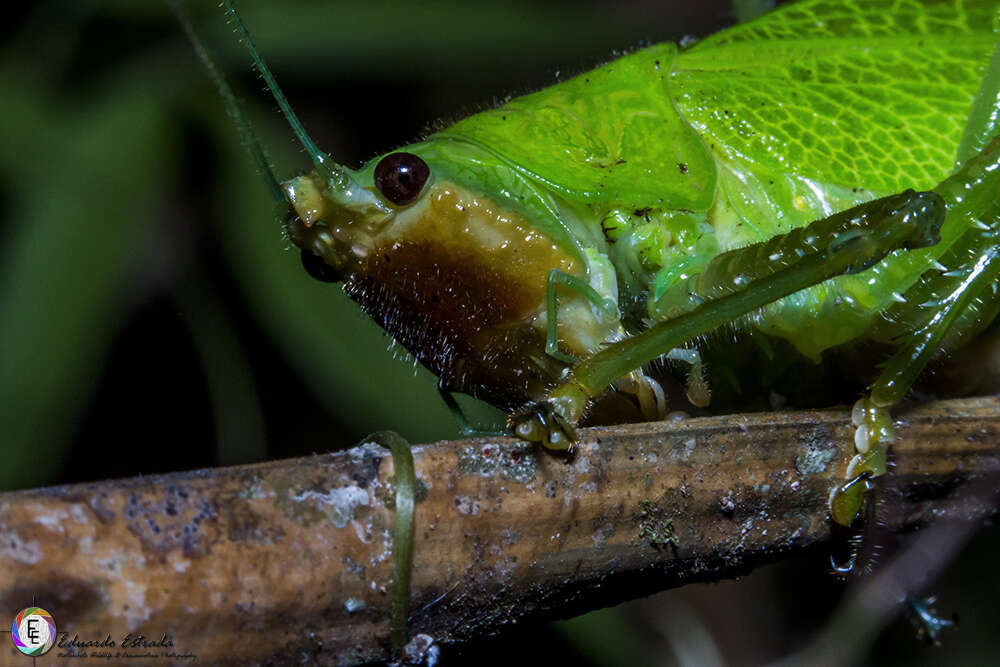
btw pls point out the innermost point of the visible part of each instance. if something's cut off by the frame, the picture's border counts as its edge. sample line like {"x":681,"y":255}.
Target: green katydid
{"x":536,"y":254}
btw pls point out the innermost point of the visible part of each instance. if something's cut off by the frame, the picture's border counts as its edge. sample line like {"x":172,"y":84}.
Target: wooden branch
{"x":292,"y":560}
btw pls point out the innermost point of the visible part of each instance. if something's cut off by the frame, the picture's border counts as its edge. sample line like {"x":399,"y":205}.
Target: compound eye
{"x":318,"y":269}
{"x":400,"y":177}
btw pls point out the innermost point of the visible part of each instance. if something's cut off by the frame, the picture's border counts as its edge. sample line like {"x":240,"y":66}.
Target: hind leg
{"x":947,"y":304}
{"x":940,"y":304}
{"x":976,"y":288}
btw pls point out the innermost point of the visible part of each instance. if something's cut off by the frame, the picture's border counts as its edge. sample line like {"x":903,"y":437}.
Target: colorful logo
{"x":34,"y":631}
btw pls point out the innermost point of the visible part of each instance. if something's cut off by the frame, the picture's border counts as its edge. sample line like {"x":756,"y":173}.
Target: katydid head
{"x":451,"y":250}
{"x":328,"y":187}
{"x":454,"y":276}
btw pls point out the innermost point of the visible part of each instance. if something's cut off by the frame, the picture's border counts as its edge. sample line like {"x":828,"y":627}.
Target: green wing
{"x":854,"y":94}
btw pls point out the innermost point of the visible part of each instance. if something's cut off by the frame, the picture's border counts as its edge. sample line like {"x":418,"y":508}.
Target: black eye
{"x":318,"y":269}
{"x":400,"y":177}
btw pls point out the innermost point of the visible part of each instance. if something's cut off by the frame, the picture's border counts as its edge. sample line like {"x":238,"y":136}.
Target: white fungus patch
{"x":137,"y":612}
{"x":366,"y":449}
{"x":118,"y":560}
{"x":78,"y":513}
{"x":363,"y":531}
{"x":505,"y":569}
{"x":689,"y":446}
{"x":581,"y":466}
{"x":466,"y":505}
{"x":340,"y":503}
{"x":179,"y":563}
{"x":581,"y":463}
{"x":602,"y":534}
{"x":52,"y":519}
{"x":354,"y":605}
{"x":22,"y":551}
{"x":381,"y":555}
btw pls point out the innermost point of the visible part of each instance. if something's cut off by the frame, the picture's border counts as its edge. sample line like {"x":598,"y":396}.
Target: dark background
{"x":153,"y":319}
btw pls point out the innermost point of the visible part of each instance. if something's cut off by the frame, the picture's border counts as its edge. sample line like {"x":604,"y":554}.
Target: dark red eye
{"x":318,"y":269}
{"x":400,"y":177}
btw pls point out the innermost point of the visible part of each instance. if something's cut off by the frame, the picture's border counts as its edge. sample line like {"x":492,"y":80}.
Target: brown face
{"x":456,"y":280}
{"x":444,"y":309}
{"x":461,"y":285}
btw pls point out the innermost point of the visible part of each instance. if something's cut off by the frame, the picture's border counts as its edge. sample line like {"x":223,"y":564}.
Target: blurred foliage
{"x":152,"y":317}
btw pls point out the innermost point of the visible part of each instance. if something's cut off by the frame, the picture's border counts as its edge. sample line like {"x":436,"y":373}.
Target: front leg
{"x":847,"y":242}
{"x":546,"y":423}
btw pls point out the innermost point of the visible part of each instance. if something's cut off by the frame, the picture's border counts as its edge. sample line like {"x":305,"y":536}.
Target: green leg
{"x":465,"y":428}
{"x":646,"y":391}
{"x":846,"y":242}
{"x":697,"y":389}
{"x":954,"y":292}
{"x":606,"y":308}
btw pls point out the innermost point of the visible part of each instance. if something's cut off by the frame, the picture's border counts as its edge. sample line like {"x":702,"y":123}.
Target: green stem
{"x":402,"y":537}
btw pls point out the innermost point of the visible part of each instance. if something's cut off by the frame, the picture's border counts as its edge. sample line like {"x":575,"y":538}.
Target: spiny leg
{"x":972,"y":196}
{"x":955,"y":291}
{"x":645,"y":390}
{"x":847,"y":242}
{"x":697,"y":389}
{"x":647,"y":393}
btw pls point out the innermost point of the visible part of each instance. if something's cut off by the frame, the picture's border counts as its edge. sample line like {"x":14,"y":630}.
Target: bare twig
{"x":292,"y":560}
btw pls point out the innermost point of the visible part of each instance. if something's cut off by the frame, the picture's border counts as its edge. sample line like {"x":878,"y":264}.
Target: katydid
{"x":791,"y":181}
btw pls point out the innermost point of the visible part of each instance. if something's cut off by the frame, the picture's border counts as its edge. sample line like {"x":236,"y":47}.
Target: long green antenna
{"x":232,"y":105}
{"x":338,"y":178}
